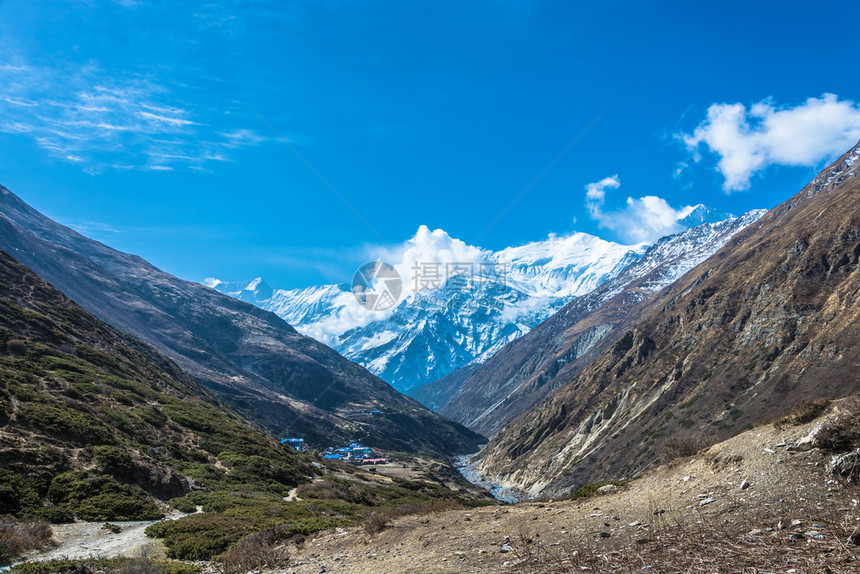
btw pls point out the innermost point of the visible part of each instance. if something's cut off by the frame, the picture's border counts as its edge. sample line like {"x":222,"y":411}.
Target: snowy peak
{"x":701,"y":214}
{"x":461,"y":319}
{"x":567,"y":266}
{"x":255,"y":291}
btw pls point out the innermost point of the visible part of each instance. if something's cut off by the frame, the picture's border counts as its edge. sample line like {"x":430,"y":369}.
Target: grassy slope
{"x":98,"y":426}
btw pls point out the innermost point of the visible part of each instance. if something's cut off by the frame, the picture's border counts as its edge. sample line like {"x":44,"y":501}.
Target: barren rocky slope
{"x":760,"y":501}
{"x":251,"y":358}
{"x":768,"y":321}
{"x":525,"y":371}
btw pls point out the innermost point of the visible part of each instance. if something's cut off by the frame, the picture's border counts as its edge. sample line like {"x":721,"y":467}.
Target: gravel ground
{"x":755,"y":491}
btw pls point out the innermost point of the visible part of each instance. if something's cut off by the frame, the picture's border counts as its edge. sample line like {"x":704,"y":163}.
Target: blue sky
{"x":239,"y":138}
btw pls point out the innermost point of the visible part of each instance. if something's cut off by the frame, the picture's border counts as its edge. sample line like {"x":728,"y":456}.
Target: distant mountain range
{"x":524,"y":372}
{"x":768,"y":321}
{"x":433,"y":332}
{"x":250,"y":358}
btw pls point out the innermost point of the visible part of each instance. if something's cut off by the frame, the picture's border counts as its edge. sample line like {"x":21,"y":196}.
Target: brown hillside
{"x":770,"y":320}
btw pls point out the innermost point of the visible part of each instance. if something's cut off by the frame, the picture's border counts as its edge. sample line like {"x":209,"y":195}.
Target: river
{"x":464,"y":464}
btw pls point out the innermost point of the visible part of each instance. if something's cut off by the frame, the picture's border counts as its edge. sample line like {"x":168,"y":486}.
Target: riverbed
{"x":469,"y":471}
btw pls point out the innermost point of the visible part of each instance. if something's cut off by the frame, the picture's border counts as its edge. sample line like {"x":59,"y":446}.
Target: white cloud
{"x":749,"y":140}
{"x":100,"y":121}
{"x":642,"y":220}
{"x":418,"y":259}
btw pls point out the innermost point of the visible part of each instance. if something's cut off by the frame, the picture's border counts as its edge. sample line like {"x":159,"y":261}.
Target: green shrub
{"x":120,"y":506}
{"x":19,"y":496}
{"x":589,"y":490}
{"x":97,"y":498}
{"x":182,"y":504}
{"x":56,"y":514}
{"x":106,"y":565}
{"x":201,"y":536}
{"x":113,"y":460}
{"x":62,"y":420}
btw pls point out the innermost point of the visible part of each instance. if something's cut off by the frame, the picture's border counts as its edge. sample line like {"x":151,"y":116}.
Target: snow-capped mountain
{"x":466,"y":316}
{"x":463,"y":317}
{"x":519,"y":376}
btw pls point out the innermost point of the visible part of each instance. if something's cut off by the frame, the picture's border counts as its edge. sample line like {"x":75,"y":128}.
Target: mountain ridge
{"x":766,"y":322}
{"x":521,"y":374}
{"x":251,"y":358}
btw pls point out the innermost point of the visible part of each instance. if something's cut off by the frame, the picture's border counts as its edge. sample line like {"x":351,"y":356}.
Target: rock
{"x":707,"y":501}
{"x":607,"y":489}
{"x":847,"y":466}
{"x":659,"y":512}
{"x":796,"y":522}
{"x":605,"y":535}
{"x":745,"y":485}
{"x":506,"y":548}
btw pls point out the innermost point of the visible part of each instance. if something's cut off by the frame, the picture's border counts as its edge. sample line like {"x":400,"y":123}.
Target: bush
{"x":376,"y":522}
{"x":842,"y":432}
{"x":683,"y":445}
{"x":139,"y":565}
{"x":589,"y":490}
{"x":182,"y":504}
{"x":17,"y":537}
{"x":804,"y":412}
{"x":119,"y":506}
{"x":200,"y":536}
{"x":56,"y":514}
{"x":101,"y":498}
{"x":254,"y":552}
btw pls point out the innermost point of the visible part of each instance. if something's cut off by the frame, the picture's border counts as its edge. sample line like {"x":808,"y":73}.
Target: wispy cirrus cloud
{"x":107,"y":121}
{"x":747,"y":141}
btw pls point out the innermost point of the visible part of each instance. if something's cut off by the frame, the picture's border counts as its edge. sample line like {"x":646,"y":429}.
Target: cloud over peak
{"x":748,"y":141}
{"x":642,"y":220}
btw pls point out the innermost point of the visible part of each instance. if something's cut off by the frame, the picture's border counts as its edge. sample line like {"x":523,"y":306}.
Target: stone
{"x":707,"y":501}
{"x":608,"y":489}
{"x":847,"y":466}
{"x":745,"y":485}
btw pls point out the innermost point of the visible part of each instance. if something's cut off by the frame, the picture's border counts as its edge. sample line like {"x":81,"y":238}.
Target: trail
{"x":89,"y":540}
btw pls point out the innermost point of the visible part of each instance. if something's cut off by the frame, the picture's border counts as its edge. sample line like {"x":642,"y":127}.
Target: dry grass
{"x":256,"y":551}
{"x":704,"y":547}
{"x":841,"y":433}
{"x":804,"y":412}
{"x":17,"y":537}
{"x":377,"y":521}
{"x":683,"y":444}
{"x":139,"y":565}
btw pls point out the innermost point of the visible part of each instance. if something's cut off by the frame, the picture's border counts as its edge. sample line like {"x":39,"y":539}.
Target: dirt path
{"x":89,"y":539}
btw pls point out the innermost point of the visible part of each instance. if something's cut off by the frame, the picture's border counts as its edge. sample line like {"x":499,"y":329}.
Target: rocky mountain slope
{"x":764,"y":501}
{"x":527,"y":370}
{"x":93,"y":422}
{"x":251,"y":358}
{"x":769,"y":320}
